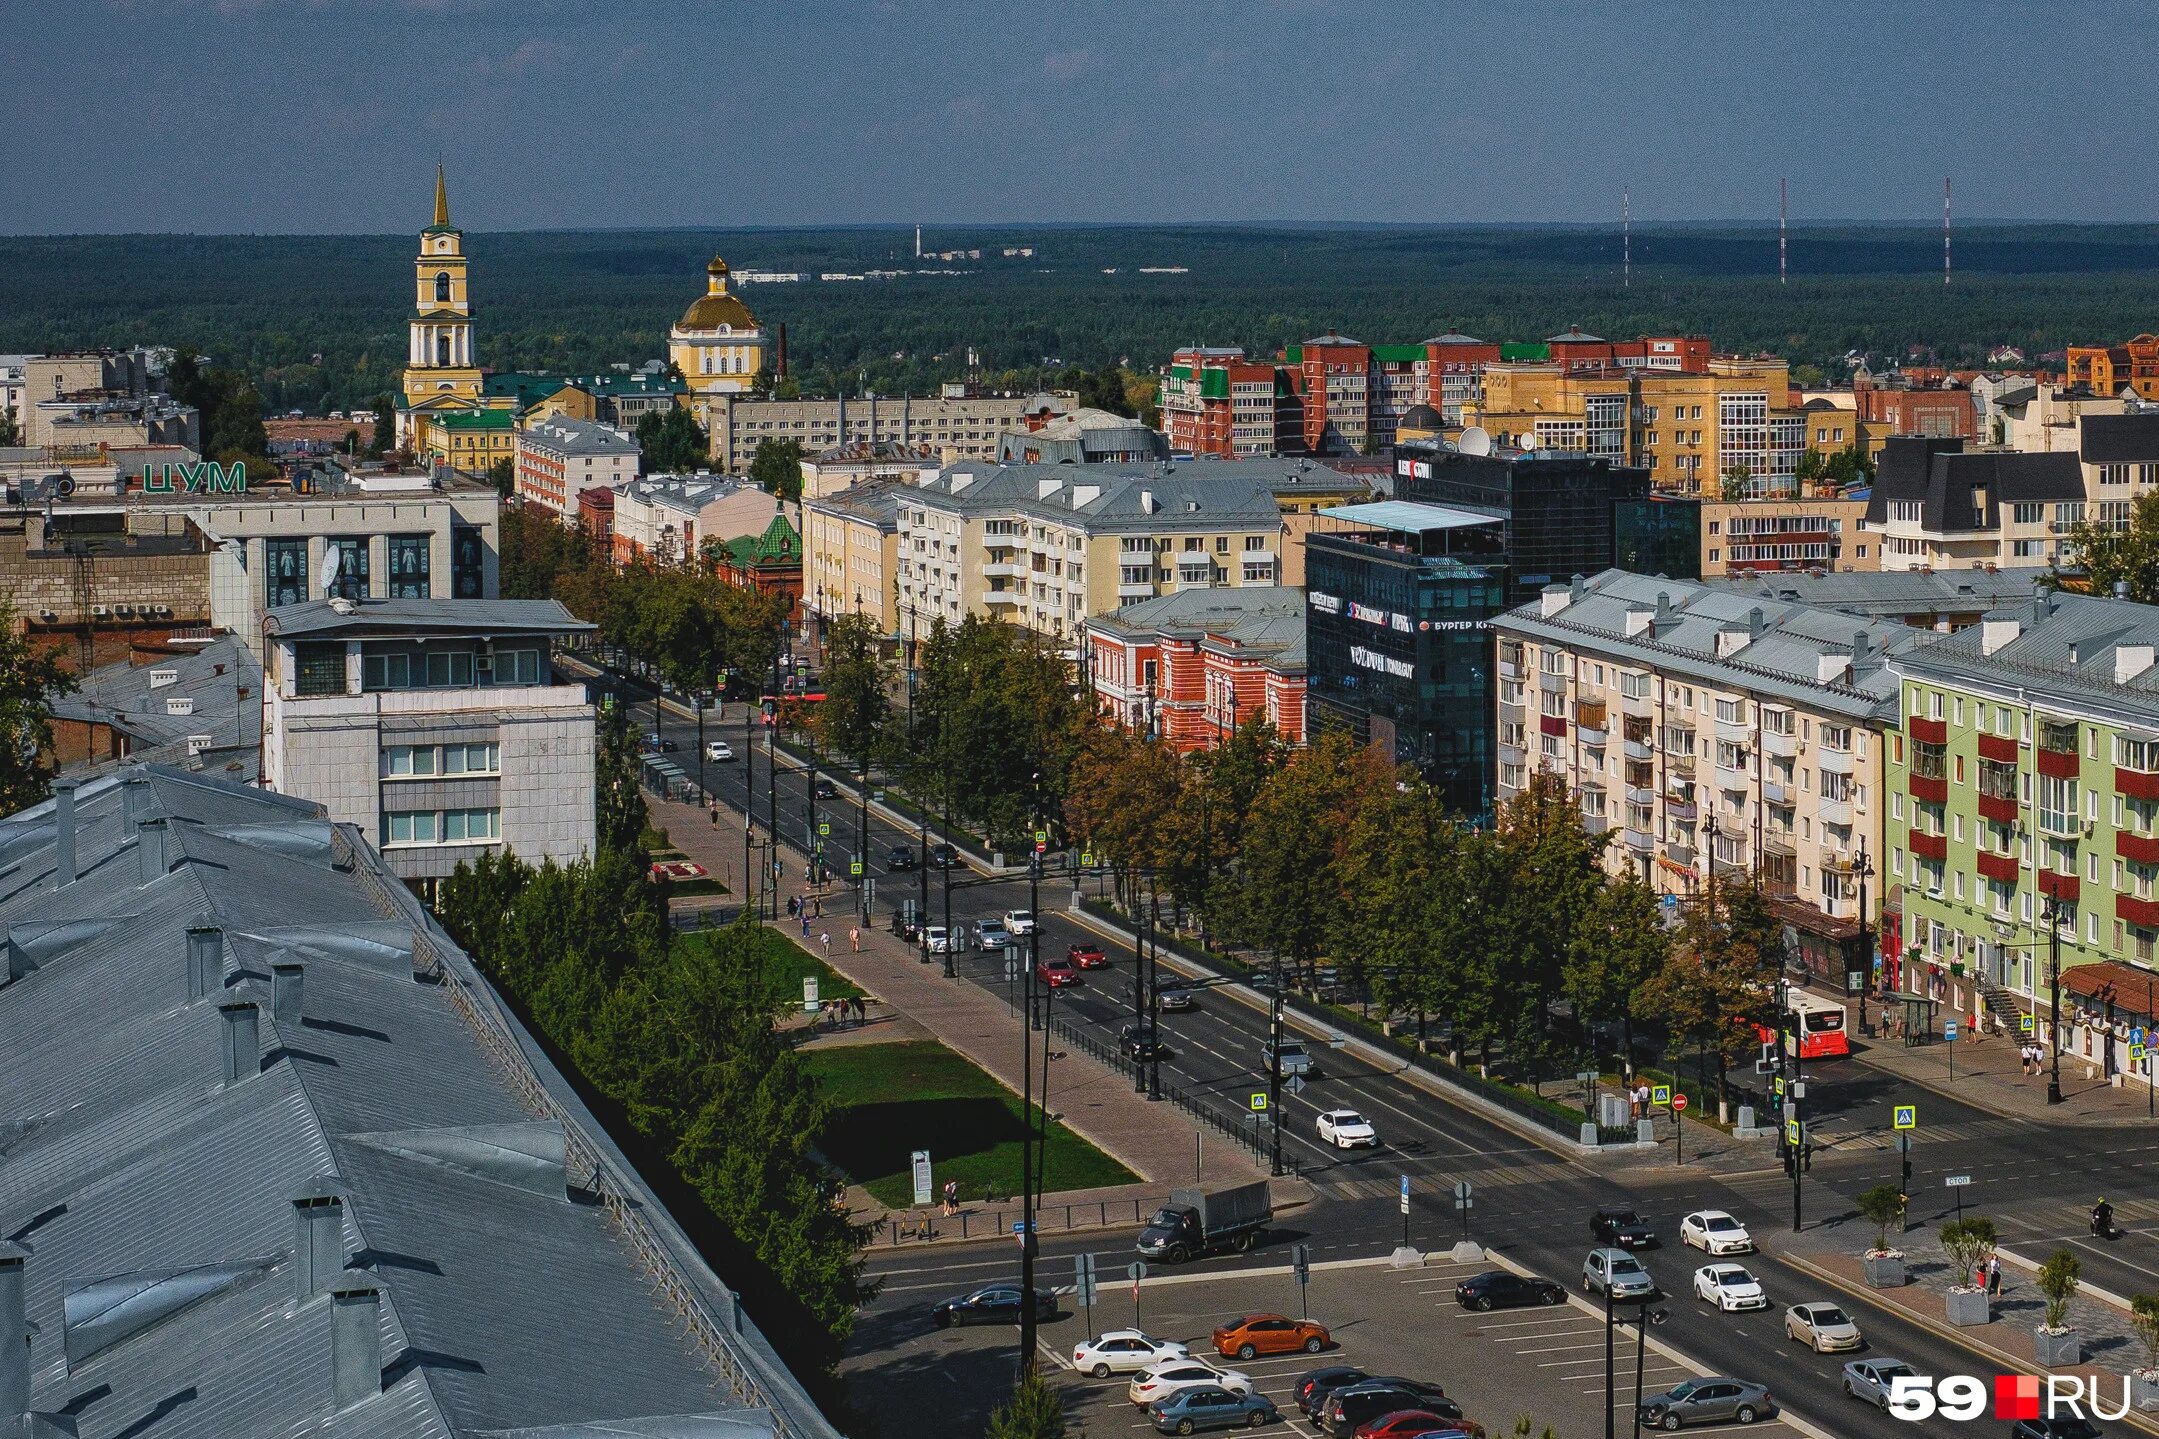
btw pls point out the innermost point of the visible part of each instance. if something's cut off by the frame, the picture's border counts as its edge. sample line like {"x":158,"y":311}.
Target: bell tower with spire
{"x":440,"y":372}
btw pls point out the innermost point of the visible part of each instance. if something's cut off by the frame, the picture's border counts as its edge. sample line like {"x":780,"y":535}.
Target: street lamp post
{"x":2052,"y":914}
{"x":1141,"y":996}
{"x":1027,"y":1130}
{"x":1863,"y":868}
{"x":1274,"y":1059}
{"x":1154,"y":990}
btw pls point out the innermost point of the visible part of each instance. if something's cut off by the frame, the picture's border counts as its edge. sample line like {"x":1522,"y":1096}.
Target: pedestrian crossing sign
{"x":824,"y":827}
{"x":854,"y":867}
{"x":1259,"y":1103}
{"x":1791,"y":1131}
{"x":1907,"y":1116}
{"x":2024,"y":1022}
{"x":1087,"y":858}
{"x":1779,"y":1086}
{"x":1661,"y":1095}
{"x":2136,"y":1052}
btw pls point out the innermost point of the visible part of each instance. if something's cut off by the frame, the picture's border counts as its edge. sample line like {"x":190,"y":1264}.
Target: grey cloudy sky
{"x":327,"y":115}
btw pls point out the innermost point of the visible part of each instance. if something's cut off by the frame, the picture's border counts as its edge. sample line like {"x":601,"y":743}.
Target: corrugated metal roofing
{"x":156,"y":1200}
{"x":364,"y":618}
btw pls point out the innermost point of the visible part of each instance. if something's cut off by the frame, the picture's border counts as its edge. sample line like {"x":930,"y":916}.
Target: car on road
{"x":1057,"y":971}
{"x":990,"y":934}
{"x":1347,"y":1129}
{"x":1502,"y":1289}
{"x":1121,"y":1351}
{"x":1616,"y":1271}
{"x":1020,"y":921}
{"x":1408,"y":1424}
{"x":719,"y":751}
{"x":1258,"y":1334}
{"x":991,"y":1304}
{"x":1314,"y":1385}
{"x":1087,"y":956}
{"x":1173,"y":1376}
{"x":940,"y":941}
{"x":2068,"y":1426}
{"x":944,"y":856}
{"x":826,"y":789}
{"x":1137,"y":1044}
{"x":1361,"y":1403}
{"x":1869,"y":1380}
{"x":1209,"y":1406}
{"x":1730,"y":1287}
{"x":1707,"y":1401}
{"x":1824,"y":1328}
{"x":1296,"y":1059}
{"x":657,"y":743}
{"x":1618,"y":1224}
{"x":900,"y":856}
{"x":1714,"y":1232}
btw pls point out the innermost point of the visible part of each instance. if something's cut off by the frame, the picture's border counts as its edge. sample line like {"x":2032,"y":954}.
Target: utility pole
{"x":1141,"y":996}
{"x":1154,"y":990}
{"x":1274,"y":1059}
{"x":1027,"y":1130}
{"x":2051,"y":913}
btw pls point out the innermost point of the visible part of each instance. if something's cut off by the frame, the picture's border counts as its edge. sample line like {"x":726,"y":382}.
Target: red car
{"x":1057,"y":973}
{"x":1087,"y":956}
{"x":1406,"y":1423}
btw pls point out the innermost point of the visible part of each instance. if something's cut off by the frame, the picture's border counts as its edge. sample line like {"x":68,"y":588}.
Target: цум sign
{"x":208,"y":477}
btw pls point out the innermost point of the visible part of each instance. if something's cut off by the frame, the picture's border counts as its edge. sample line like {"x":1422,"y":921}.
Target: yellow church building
{"x":442,"y":379}
{"x":717,"y":345}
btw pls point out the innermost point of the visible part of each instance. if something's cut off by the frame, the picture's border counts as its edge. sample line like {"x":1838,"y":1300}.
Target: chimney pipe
{"x":318,"y":1236}
{"x":63,"y":839}
{"x":205,"y":959}
{"x":150,"y":847}
{"x":135,"y":800}
{"x":286,"y":989}
{"x":355,"y":1342}
{"x":239,"y":1031}
{"x":14,"y":1336}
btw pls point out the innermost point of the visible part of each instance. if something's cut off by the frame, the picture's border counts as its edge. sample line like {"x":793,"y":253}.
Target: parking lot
{"x":1547,"y":1363}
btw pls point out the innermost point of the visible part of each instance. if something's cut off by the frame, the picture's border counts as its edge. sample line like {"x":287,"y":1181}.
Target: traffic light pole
{"x":1274,"y":1061}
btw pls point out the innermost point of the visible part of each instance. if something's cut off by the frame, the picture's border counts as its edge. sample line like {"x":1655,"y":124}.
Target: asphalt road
{"x":1533,"y":1204}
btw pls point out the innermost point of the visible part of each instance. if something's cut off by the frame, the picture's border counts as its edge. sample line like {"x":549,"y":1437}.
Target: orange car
{"x":1258,"y":1334}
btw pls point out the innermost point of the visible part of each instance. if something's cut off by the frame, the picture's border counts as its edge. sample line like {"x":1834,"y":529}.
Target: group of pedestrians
{"x":838,"y":1013}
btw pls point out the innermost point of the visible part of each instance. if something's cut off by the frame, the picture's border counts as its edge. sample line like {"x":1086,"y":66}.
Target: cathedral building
{"x":717,"y":345}
{"x":442,"y":378}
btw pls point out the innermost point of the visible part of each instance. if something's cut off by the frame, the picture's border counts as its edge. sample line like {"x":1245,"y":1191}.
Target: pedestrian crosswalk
{"x":1438,"y":1185}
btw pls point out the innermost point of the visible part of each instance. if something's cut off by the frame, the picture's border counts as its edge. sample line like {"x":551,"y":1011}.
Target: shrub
{"x":1967,"y":1241}
{"x":1882,"y":1206}
{"x":2144,"y":1322}
{"x":2058,"y":1282}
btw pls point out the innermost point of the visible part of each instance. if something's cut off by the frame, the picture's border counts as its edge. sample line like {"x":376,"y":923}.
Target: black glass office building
{"x":1398,"y":600}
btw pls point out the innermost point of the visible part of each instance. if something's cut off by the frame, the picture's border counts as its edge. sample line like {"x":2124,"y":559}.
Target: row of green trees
{"x":684,"y":1039}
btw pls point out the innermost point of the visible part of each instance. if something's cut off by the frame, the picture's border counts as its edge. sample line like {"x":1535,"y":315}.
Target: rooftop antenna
{"x":1626,"y":237}
{"x":1783,"y":207}
{"x":1945,"y":230}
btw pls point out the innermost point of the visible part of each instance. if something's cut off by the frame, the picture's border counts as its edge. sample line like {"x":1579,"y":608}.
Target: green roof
{"x":1398,"y":353}
{"x":1293,"y":353}
{"x":1534,"y":350}
{"x":1180,"y":372}
{"x":780,"y":544}
{"x":1214,"y":383}
{"x":477,"y":420}
{"x":525,"y":389}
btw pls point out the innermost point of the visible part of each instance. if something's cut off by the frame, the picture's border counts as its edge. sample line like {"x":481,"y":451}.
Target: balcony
{"x":1510,"y":669}
{"x":2001,"y":868}
{"x":1679,"y":852}
{"x":1928,"y":846}
{"x":2063,"y":887}
{"x":1927,"y":731}
{"x":1732,"y":777}
{"x":1594,"y":738}
{"x":1835,"y":761}
{"x":1836,"y":811}
{"x":1640,"y":795}
{"x":1551,"y":684}
{"x":1734,"y":733}
{"x":1779,"y":841}
{"x":1999,"y":808}
{"x":1680,"y":809}
{"x":1636,"y":750}
{"x":1638,"y":706}
{"x":2136,"y":783}
{"x":2060,"y":822}
{"x":1589,"y":713}
{"x":2143,"y":913}
{"x":1774,"y":793}
{"x":1003,"y":571}
{"x":1998,"y":749}
{"x":1930,"y":788}
{"x":2138,"y":848}
{"x":1134,"y":592}
{"x":1003,"y":597}
{"x":1784,"y":746}
{"x":2060,"y":764}
{"x":1552,"y":725}
{"x":1639,"y":841}
{"x":1678,"y":763}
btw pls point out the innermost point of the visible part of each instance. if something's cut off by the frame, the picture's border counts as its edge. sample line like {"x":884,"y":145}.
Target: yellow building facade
{"x":717,"y":345}
{"x":441,"y":374}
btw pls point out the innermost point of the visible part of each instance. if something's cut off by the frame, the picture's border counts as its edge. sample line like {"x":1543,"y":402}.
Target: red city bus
{"x":1814,"y":1027}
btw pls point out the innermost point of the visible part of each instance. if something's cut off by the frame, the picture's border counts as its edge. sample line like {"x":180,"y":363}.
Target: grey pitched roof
{"x":1778,"y":644}
{"x":2118,"y":439}
{"x":1267,"y":621}
{"x":1206,"y":494}
{"x":582,"y":437}
{"x":156,"y":1197}
{"x":138,"y":700}
{"x":1963,"y":492}
{"x":374,"y":619}
{"x":2064,"y":647}
{"x":874,"y":502}
{"x":1904,"y":594}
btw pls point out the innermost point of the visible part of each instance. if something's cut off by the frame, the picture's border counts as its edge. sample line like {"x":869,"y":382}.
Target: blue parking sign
{"x":1949,"y":1029}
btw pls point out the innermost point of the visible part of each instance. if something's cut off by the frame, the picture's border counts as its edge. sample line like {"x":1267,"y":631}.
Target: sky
{"x":327,"y":116}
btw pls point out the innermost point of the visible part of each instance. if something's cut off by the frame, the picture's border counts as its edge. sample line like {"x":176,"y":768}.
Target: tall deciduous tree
{"x":857,"y":712}
{"x":776,"y":466}
{"x":2122,"y":555}
{"x":1291,"y":893}
{"x":619,"y":806}
{"x":671,"y":442}
{"x":385,"y":437}
{"x":31,"y":678}
{"x":1715,"y":989}
{"x":1618,"y":948}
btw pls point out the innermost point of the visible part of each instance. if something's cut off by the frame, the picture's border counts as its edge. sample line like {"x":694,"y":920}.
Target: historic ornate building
{"x":441,"y":375}
{"x":717,"y":345}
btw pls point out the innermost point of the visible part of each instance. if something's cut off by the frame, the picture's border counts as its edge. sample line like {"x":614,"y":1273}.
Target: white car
{"x":1347,"y":1129}
{"x":1729,"y":1287}
{"x":718,"y":751}
{"x":940,"y":941}
{"x":1020,"y":921}
{"x":1175,"y":1376}
{"x":1714,"y":1232}
{"x":1824,"y":1328}
{"x":1123,"y":1350}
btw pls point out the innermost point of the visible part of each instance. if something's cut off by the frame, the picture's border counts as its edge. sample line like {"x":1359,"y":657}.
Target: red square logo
{"x":2016,"y":1396}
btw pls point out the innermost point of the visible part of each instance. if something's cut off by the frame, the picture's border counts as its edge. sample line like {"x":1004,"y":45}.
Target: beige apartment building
{"x":1748,"y":536}
{"x":959,"y":423}
{"x":850,"y":552}
{"x":1934,"y":505}
{"x":844,"y":466}
{"x":1712,"y":731}
{"x":1050,"y":546}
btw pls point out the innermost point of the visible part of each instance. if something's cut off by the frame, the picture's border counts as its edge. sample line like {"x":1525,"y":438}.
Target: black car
{"x":826,"y":789}
{"x":991,"y":1304}
{"x":899,"y":856}
{"x":2069,"y":1426}
{"x":1362,"y":1402}
{"x":944,"y":856}
{"x":1136,"y":1044}
{"x":657,"y":743}
{"x":1502,"y":1290}
{"x":1314,"y":1385}
{"x":1619,"y":1224}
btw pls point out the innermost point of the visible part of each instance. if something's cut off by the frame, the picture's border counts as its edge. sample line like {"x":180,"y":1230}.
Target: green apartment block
{"x":2024,"y":789}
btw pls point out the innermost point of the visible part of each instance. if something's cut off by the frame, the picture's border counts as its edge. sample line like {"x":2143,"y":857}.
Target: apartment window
{"x":464,"y":826}
{"x":2028,"y":513}
{"x":1837,"y":738}
{"x":386,"y":672}
{"x":412,"y":827}
{"x":1731,"y":711}
{"x":449,"y":669}
{"x":2137,"y":754}
{"x":472,"y":758}
{"x":2113,"y":474}
{"x":517,"y":667}
{"x":319,"y":668}
{"x":409,"y":564}
{"x":406,"y":761}
{"x":1633,"y":686}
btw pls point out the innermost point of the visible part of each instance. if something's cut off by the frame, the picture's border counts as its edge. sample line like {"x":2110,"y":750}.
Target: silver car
{"x":1869,"y":1380}
{"x":1713,"y":1400}
{"x":1617,"y":1272}
{"x":991,"y":934}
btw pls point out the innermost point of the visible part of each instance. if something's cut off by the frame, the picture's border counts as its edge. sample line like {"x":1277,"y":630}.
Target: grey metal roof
{"x":174,"y":1284}
{"x":1256,"y":621}
{"x":874,"y":502}
{"x":136,"y":699}
{"x":1778,"y":660}
{"x":1904,"y":594}
{"x":1111,"y":497}
{"x":1410,"y":517}
{"x":582,"y":437}
{"x":2119,"y":439}
{"x":2064,"y":647}
{"x":375,"y":619}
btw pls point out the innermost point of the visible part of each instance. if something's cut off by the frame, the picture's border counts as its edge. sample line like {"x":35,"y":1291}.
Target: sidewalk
{"x":1151,"y":1138}
{"x":1987,"y":1077}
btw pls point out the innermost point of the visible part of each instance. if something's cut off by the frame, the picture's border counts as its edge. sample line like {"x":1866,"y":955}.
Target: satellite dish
{"x":1475,"y":440}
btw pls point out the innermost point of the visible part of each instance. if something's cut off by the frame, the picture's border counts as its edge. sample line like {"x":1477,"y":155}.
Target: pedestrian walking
{"x":952,"y":1197}
{"x":793,"y":904}
{"x":854,"y":938}
{"x":817,"y":906}
{"x":805,"y":921}
{"x":862,"y":1010}
{"x":825,"y":939}
{"x":1994,"y":1276}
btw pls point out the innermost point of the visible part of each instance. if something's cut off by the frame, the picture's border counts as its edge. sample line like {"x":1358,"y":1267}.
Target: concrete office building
{"x":960,"y":423}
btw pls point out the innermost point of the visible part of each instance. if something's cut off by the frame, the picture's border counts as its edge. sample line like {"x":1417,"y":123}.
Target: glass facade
{"x":347,"y":559}
{"x":1558,"y":509}
{"x":409,"y":562}
{"x":1658,"y":536}
{"x":467,"y":563}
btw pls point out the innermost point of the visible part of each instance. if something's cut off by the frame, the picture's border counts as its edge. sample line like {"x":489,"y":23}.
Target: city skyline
{"x":557,"y":116}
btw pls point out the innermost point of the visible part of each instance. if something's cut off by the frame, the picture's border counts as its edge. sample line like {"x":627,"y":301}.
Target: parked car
{"x":944,"y":856}
{"x":1707,"y":1401}
{"x":1730,"y":1287}
{"x":1121,"y":1351}
{"x":719,"y":751}
{"x":1869,"y":1380}
{"x":1361,"y":1403}
{"x":1407,"y":1424}
{"x":1209,"y":1406}
{"x":1020,"y":921}
{"x":1714,"y":1232}
{"x":1618,"y":1224}
{"x":1617,"y":1271}
{"x":657,"y":743}
{"x":2068,"y":1426}
{"x":991,"y":1304}
{"x":900,"y":856}
{"x":940,"y":941}
{"x":1824,"y":1328}
{"x":1258,"y":1334}
{"x":1057,"y":972}
{"x":1087,"y":956}
{"x":1134,"y":1040}
{"x":1296,"y":1059}
{"x":1314,"y":1385}
{"x":1173,"y":1376}
{"x":1347,"y":1129}
{"x":1500,"y":1289}
{"x":990,"y":934}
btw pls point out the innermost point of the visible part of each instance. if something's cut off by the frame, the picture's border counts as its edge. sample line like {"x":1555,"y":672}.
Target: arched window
{"x":442,"y":350}
{"x":442,"y":287}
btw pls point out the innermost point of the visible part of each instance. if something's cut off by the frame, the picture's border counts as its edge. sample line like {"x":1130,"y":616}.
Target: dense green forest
{"x":318,"y":321}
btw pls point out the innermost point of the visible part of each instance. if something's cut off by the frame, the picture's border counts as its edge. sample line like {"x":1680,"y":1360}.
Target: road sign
{"x":2026,"y":1023}
{"x":1294,"y":1084}
{"x":854,"y":868}
{"x":1259,"y":1102}
{"x":1679,"y":1104}
{"x":1300,"y":1261}
{"x":1957,"y":1181}
{"x":2136,"y":1052}
{"x":2137,"y":1035}
{"x":1462,"y":1193}
{"x":1136,"y":1271}
{"x":1405,"y":1194}
{"x":1949,"y":1029}
{"x":824,"y":828}
{"x":1660,"y":1095}
{"x":921,"y":1162}
{"x":1791,"y":1131}
{"x":1087,"y":858}
{"x":1082,"y":1266}
{"x":1907,"y":1116}
{"x":1778,"y":1087}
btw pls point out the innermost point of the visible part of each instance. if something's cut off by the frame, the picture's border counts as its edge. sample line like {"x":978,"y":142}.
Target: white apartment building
{"x":1935,"y":505}
{"x":559,"y":458}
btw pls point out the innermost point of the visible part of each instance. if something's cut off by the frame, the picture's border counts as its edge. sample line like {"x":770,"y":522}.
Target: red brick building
{"x":1901,"y":406}
{"x":1193,"y":666}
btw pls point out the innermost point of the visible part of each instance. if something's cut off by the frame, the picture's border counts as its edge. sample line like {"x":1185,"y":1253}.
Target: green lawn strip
{"x":892,"y":1099}
{"x":786,"y":964}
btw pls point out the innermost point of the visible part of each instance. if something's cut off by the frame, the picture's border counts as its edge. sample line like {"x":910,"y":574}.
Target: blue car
{"x":1210,"y":1406}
